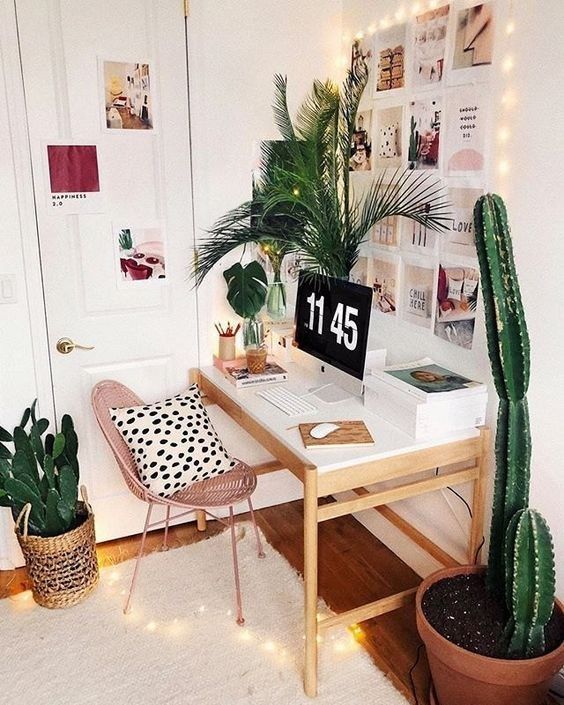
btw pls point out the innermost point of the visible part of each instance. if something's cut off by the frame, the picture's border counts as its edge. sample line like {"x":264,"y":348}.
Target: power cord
{"x":411,"y":670}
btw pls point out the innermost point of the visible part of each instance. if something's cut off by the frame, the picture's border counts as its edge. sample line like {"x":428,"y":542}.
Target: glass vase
{"x":253,"y":333}
{"x":276,"y":300}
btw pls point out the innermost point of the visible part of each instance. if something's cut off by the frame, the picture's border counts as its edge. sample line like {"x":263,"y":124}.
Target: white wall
{"x":235,"y":48}
{"x":531,"y":187}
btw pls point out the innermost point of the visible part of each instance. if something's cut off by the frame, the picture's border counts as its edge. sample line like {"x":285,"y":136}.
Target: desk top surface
{"x":388,"y":439}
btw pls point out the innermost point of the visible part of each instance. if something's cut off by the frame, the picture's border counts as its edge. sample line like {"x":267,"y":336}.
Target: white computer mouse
{"x":323,"y":429}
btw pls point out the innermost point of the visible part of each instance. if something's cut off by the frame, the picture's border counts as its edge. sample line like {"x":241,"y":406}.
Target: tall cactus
{"x":530,"y":583}
{"x":508,"y":347}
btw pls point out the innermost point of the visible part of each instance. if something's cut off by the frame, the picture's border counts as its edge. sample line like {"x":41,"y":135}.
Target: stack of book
{"x":240,"y":376}
{"x":426,"y":400}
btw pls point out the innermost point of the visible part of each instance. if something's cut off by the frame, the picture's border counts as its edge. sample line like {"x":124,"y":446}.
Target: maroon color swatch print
{"x":73,"y":168}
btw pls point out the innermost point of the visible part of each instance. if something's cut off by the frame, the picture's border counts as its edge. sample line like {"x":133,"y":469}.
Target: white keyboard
{"x":287,"y":401}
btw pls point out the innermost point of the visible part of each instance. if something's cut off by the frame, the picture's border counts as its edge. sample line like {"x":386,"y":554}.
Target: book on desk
{"x":242,"y":378}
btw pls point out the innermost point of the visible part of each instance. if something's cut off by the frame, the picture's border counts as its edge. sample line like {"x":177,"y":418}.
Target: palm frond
{"x":282,"y":117}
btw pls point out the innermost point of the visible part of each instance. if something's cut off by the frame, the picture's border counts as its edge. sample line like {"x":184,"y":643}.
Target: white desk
{"x":325,"y":472}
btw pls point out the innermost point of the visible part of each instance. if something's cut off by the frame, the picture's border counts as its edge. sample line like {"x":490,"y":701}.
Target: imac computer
{"x":331,"y":324}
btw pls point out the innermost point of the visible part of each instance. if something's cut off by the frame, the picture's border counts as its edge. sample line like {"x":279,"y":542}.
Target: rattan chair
{"x":221,"y":491}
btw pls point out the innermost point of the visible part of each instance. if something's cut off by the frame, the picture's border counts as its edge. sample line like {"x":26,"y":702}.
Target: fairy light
{"x":400,"y":14}
{"x":433,"y":4}
{"x":372,"y":29}
{"x":151,"y":626}
{"x":503,"y":134}
{"x":416,"y":9}
{"x":385,"y":23}
{"x":510,"y":28}
{"x":503,"y":167}
{"x":508,"y":64}
{"x":359,"y":36}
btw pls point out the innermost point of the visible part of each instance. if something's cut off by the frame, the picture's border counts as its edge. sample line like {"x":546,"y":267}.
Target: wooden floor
{"x":354,"y":568}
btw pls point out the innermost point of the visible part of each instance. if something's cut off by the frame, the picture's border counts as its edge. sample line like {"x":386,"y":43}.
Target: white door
{"x":143,"y":327}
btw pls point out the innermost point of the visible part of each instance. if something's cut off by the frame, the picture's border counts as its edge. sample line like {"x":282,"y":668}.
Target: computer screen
{"x":332,"y":321}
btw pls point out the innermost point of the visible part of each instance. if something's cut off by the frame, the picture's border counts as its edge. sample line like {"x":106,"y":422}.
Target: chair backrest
{"x":107,"y":395}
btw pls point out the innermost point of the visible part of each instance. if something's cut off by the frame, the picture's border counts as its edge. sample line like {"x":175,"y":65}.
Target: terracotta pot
{"x":461,"y":677}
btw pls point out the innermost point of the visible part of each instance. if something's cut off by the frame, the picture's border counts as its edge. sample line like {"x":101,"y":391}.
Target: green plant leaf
{"x":66,"y":514}
{"x":25,"y":418}
{"x":5,"y":468}
{"x":22,"y":444}
{"x":49,"y":441}
{"x":246,"y":288}
{"x":37,"y":444}
{"x":58,"y":445}
{"x":68,"y":486}
{"x":54,"y":523}
{"x":21,"y":494}
{"x":49,"y":469}
{"x":32,"y":411}
{"x":5,"y":435}
{"x":5,"y":453}
{"x":5,"y":499}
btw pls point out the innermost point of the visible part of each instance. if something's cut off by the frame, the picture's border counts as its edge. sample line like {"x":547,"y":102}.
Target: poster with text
{"x":429,"y":45}
{"x":389,"y":58}
{"x":361,"y":145}
{"x":424,"y":136}
{"x":457,"y":299}
{"x":140,"y":254}
{"x":465,"y":131}
{"x":458,"y":239}
{"x":128,"y":98}
{"x":418,"y":237}
{"x":388,"y":151}
{"x":473,"y":42}
{"x":73,"y":179}
{"x":417,"y":294}
{"x":385,"y":276}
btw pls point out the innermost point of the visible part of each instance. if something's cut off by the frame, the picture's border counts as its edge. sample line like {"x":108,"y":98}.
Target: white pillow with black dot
{"x":173,"y":442}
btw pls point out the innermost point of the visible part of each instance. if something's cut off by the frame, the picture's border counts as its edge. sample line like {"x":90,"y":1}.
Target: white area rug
{"x":181,"y":643}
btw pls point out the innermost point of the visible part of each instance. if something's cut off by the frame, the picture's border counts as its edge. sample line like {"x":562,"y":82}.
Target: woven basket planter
{"x":63,"y":569}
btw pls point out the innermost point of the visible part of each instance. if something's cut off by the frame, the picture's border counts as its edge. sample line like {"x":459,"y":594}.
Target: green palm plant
{"x":304,"y":200}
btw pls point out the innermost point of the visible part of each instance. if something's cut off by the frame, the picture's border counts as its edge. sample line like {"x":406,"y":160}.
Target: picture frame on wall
{"x":429,"y":46}
{"x":458,"y":287}
{"x":140,"y":254}
{"x":417,"y":292}
{"x":388,"y":150}
{"x":127,"y":96}
{"x":464,"y":144}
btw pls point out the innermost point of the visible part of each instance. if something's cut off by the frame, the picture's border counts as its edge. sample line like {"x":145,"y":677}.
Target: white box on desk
{"x":421,"y":420}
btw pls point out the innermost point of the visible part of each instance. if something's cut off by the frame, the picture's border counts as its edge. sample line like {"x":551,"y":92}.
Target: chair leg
{"x":240,"y":619}
{"x":164,"y":547}
{"x":257,"y":535}
{"x":139,"y":556}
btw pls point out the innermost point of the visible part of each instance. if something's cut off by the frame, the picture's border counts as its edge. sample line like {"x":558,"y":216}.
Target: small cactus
{"x":530,"y":583}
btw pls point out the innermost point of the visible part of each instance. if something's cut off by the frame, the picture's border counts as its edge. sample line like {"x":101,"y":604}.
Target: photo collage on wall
{"x":426,"y":109}
{"x":73,"y":172}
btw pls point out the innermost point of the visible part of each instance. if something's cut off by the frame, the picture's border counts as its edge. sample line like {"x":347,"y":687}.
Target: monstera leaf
{"x":246,"y":288}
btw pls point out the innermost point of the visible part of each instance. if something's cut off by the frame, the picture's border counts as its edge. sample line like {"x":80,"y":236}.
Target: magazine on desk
{"x":241,"y":377}
{"x":429,"y":382}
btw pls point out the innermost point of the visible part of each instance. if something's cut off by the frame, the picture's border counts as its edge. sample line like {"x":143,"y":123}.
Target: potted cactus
{"x":39,"y":482}
{"x":496,"y":634}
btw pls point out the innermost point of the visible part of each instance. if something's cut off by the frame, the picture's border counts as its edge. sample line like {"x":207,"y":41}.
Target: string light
{"x":508,"y":64}
{"x":503,"y":134}
{"x":510,"y":28}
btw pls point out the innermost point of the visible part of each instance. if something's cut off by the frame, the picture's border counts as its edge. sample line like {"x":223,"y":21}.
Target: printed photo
{"x":385,"y":232}
{"x":474,"y":39}
{"x":432,"y":379}
{"x":466,"y":128}
{"x":457,"y":299}
{"x":384,"y":275}
{"x":140,"y":253}
{"x":417,"y":294}
{"x":424,"y":133}
{"x":128,"y":101}
{"x":429,"y":46}
{"x":73,"y":179}
{"x":361,"y":146}
{"x":359,"y":273}
{"x":459,"y":238}
{"x":360,"y":52}
{"x":388,"y":151}
{"x":417,"y":237}
{"x":390,"y":58}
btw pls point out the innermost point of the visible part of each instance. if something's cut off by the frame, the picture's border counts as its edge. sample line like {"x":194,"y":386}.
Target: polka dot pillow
{"x":173,"y":442}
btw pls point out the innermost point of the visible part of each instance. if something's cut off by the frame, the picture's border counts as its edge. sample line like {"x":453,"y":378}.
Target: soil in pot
{"x":461,"y":609}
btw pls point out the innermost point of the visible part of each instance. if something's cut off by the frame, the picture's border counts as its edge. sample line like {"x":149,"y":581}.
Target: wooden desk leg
{"x":478,"y":501}
{"x":201,"y":521}
{"x":310,"y":580}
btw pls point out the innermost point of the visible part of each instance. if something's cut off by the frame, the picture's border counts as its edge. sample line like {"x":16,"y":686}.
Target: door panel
{"x":143,"y":333}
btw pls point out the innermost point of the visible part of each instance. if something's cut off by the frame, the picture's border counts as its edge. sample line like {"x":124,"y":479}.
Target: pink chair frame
{"x":223,"y":491}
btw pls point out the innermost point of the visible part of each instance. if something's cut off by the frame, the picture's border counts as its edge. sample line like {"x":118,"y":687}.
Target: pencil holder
{"x":226,"y":349}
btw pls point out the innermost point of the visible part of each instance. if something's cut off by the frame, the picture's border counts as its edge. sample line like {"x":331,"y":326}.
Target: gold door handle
{"x":66,"y":346}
